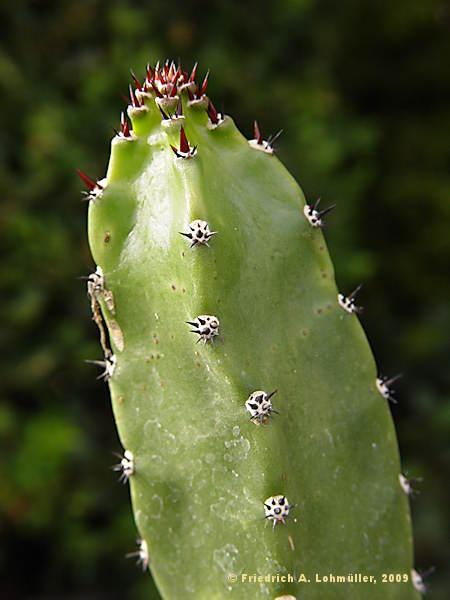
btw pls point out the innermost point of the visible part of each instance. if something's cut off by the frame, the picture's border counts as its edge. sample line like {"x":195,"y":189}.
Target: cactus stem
{"x":141,"y":553}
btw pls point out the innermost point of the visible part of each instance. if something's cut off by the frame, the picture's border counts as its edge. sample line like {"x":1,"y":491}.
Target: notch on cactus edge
{"x":277,"y":509}
{"x":347,"y":302}
{"x":259,"y":405}
{"x":206,"y":327}
{"x":315,"y":216}
{"x":126,"y":466}
{"x":141,"y":553}
{"x":199,"y":233}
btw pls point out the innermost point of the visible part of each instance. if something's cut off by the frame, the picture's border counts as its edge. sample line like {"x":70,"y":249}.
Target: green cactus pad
{"x":204,"y":464}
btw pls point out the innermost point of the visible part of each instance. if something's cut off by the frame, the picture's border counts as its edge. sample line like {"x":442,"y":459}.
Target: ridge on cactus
{"x":318,"y":488}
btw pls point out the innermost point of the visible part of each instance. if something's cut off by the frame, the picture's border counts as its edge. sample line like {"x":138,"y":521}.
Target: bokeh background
{"x":362,"y":92}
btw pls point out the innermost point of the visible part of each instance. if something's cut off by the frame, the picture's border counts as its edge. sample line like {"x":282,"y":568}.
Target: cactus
{"x":200,"y":235}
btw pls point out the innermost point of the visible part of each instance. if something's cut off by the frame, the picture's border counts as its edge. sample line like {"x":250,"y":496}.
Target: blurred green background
{"x":362,"y":91}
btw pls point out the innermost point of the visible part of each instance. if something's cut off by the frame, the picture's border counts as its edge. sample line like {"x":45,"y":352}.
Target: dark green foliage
{"x":362,"y":92}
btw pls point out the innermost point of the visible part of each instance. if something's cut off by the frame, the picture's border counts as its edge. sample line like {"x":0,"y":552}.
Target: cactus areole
{"x":210,"y":476}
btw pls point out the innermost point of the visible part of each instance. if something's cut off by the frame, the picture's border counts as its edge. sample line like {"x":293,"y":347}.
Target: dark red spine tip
{"x":157,"y":92}
{"x":258,"y":134}
{"x":194,"y":71}
{"x":179,"y":112}
{"x":184,"y":144}
{"x":204,"y":84}
{"x":87,"y":180}
{"x":134,"y":102}
{"x":173,"y":91}
{"x":136,"y":81}
{"x":212,"y":113}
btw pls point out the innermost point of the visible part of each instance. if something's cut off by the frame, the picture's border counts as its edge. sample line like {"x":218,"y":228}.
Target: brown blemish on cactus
{"x":121,"y":399}
{"x":155,"y":339}
{"x":108,"y":297}
{"x":107,"y":238}
{"x":291,"y":543}
{"x":116,"y":334}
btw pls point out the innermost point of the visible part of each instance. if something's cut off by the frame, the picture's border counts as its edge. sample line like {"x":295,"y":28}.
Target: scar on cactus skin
{"x":348,"y":303}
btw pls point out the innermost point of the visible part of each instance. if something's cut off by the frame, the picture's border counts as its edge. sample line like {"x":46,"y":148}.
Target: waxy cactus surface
{"x":217,"y":291}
